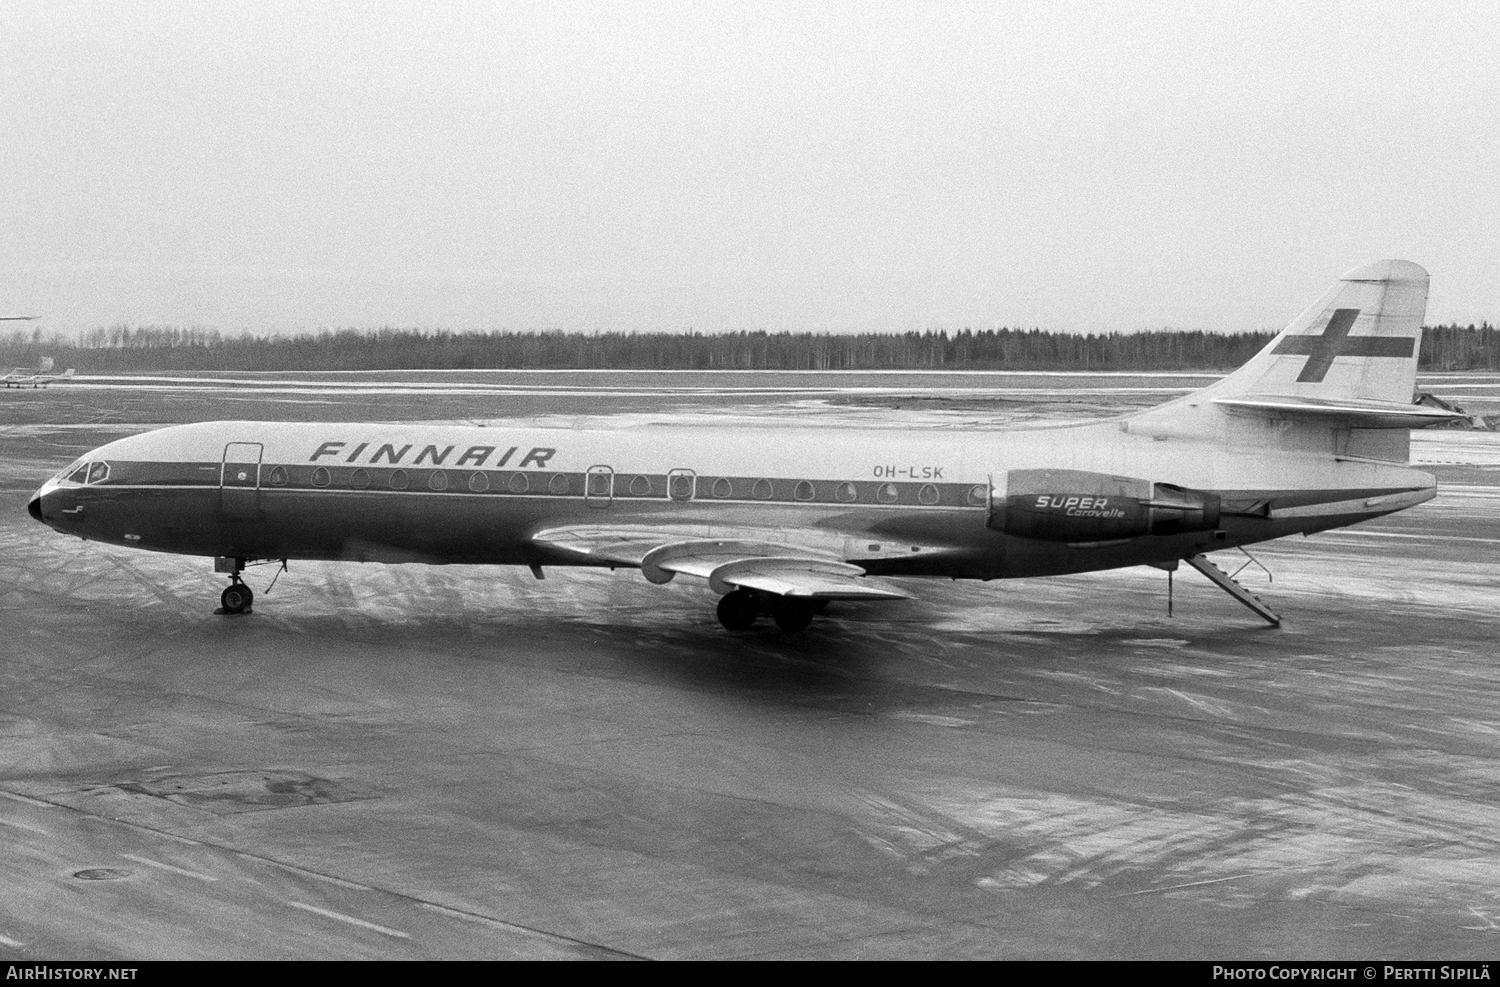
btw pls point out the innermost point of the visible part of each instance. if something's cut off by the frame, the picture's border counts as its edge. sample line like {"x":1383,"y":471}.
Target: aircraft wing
{"x":771,"y":561}
{"x":803,"y":578}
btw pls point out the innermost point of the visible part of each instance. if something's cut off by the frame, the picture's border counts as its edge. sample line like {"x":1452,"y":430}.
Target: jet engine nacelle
{"x":1076,"y":505}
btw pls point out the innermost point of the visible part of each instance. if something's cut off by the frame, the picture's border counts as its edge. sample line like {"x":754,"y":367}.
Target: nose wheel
{"x":237,"y":597}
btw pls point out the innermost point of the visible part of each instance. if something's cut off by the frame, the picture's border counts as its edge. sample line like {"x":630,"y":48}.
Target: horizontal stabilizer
{"x":1339,"y":412}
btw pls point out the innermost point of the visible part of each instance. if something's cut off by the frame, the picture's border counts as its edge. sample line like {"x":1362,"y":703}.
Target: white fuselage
{"x":892,"y":501}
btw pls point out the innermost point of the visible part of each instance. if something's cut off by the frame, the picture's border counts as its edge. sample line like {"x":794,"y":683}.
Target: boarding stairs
{"x":1230,"y":585}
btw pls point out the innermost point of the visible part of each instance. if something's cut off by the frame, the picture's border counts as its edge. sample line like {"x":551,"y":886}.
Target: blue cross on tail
{"x":1336,"y":341}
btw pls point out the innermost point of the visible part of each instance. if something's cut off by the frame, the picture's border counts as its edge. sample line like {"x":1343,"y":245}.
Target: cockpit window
{"x":98,"y":472}
{"x":80,"y":475}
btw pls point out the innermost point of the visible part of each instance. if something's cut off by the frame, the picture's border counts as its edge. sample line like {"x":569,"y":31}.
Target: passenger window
{"x":804,"y":490}
{"x":598,"y":485}
{"x":438,"y":480}
{"x":680,"y":486}
{"x":559,"y":483}
{"x":845,"y":492}
{"x":278,"y":476}
{"x":762,"y":490}
{"x":978,"y":495}
{"x":478,"y":482}
{"x":359,"y":479}
{"x":640,"y":486}
{"x":887,"y":493}
{"x":321,"y":477}
{"x":928,"y":494}
{"x":98,"y":473}
{"x":722,"y":487}
{"x":519,"y":483}
{"x":399,"y":480}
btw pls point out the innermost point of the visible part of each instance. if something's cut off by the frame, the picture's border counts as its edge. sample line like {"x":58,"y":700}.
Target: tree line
{"x":169,"y":348}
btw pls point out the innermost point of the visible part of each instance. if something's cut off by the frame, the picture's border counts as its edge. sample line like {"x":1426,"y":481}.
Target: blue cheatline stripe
{"x":620,"y":485}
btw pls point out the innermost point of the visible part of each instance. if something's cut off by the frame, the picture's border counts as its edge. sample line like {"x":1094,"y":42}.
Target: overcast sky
{"x":719,"y":166}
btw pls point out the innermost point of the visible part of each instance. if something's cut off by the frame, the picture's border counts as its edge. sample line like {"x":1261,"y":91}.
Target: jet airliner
{"x":36,"y":377}
{"x":1312,"y":433}
{"x":39,"y":376}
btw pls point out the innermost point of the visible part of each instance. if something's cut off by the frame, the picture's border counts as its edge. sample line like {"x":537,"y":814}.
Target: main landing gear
{"x":739,"y":610}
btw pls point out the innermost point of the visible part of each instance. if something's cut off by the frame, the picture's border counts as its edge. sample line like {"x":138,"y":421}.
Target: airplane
{"x":1311,"y":434}
{"x":40,"y":376}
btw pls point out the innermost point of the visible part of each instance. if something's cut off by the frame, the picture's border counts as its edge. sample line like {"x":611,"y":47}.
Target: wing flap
{"x":809,"y":570}
{"x":805,"y":579}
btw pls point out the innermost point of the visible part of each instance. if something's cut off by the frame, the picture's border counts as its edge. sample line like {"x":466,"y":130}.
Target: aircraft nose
{"x":34,"y":508}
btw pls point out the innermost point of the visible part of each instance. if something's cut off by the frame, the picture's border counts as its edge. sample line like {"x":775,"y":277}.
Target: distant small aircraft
{"x":1312,"y":433}
{"x":40,"y":376}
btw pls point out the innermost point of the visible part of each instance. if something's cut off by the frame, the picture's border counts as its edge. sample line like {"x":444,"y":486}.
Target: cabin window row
{"x":838,"y":491}
{"x":681,"y":485}
{"x":438,"y":480}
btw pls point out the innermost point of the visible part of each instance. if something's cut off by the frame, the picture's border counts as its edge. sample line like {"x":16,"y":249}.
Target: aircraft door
{"x":598,"y":486}
{"x":239,"y":480}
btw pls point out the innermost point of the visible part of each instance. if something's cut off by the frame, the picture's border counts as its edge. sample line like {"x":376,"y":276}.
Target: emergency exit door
{"x":239,"y":480}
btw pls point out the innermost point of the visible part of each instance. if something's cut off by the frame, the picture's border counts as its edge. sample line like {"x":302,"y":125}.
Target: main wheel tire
{"x":237,"y":598}
{"x":792,"y":615}
{"x":738,"y":610}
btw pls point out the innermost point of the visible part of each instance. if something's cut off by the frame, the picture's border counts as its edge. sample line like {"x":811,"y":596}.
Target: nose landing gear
{"x":237,"y":597}
{"x":739,"y":610}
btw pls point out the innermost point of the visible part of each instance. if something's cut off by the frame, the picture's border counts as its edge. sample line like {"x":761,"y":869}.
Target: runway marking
{"x":27,"y":800}
{"x":161,"y":833}
{"x":932,"y":719}
{"x":1236,"y":877}
{"x":7,"y":941}
{"x":1393,"y":534}
{"x":350,"y":919}
{"x":495,"y":923}
{"x":30,"y":829}
{"x":175,"y":870}
{"x":1479,"y":725}
{"x":1203,"y":704}
{"x":302,"y":872}
{"x":1190,"y":884}
{"x":232,"y":375}
{"x":1490,"y":925}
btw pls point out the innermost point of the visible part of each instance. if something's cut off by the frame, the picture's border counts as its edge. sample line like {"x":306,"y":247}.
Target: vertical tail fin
{"x":1345,"y":368}
{"x":1358,"y":342}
